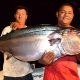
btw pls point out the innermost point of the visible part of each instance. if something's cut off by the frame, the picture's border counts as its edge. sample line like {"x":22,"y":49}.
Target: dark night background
{"x":40,"y":12}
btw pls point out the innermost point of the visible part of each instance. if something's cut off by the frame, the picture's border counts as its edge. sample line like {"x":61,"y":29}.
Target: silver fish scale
{"x":29,"y":31}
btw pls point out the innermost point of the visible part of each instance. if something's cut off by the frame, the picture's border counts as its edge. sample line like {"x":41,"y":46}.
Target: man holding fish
{"x":64,"y":68}
{"x":14,"y":69}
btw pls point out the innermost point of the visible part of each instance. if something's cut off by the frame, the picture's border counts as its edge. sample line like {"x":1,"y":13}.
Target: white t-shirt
{"x":13,"y":67}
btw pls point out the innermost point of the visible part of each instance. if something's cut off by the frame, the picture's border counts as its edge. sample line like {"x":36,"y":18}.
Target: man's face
{"x":21,"y":15}
{"x":65,"y":15}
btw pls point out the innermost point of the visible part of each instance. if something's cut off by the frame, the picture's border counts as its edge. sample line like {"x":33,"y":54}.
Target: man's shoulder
{"x":6,"y":30}
{"x":7,"y":27}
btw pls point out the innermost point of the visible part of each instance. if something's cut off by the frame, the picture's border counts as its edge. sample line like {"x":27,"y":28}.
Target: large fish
{"x":30,"y":44}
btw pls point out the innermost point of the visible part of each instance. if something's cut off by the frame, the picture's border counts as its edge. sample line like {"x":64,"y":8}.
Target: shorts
{"x":27,"y":77}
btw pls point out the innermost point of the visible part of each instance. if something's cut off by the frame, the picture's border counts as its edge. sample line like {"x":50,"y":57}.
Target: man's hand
{"x":47,"y":58}
{"x":15,"y":25}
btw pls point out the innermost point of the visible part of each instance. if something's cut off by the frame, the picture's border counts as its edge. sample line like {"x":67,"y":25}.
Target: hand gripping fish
{"x":30,"y":44}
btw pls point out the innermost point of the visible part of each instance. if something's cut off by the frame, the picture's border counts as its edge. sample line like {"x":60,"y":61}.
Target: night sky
{"x":40,"y":12}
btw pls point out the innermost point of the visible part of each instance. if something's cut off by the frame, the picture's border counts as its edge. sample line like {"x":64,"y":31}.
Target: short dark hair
{"x":21,"y":7}
{"x":65,"y":4}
